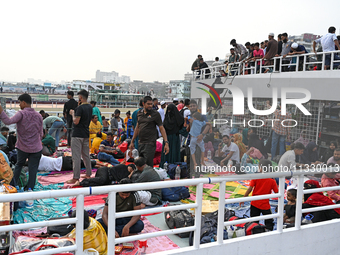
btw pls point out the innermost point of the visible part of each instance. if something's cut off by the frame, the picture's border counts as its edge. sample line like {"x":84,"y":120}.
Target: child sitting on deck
{"x":290,"y":207}
{"x":262,"y":187}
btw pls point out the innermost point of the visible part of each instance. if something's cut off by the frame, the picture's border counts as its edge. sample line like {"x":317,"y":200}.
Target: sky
{"x":146,"y":40}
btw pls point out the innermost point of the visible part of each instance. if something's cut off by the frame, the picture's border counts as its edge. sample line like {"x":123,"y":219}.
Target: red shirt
{"x":263,"y":187}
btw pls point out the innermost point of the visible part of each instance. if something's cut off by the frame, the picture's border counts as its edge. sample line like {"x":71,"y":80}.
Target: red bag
{"x":123,"y":147}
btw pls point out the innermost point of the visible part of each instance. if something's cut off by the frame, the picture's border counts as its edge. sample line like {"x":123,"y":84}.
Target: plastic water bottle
{"x":209,"y":154}
{"x":135,"y":153}
{"x":30,"y":203}
{"x":21,"y":204}
{"x":178,"y":173}
{"x":166,"y":166}
{"x":308,"y":219}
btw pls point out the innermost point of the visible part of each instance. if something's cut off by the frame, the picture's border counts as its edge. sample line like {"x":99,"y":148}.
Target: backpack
{"x":175,"y":194}
{"x":118,"y":155}
{"x":181,"y":112}
{"x":209,"y":226}
{"x":249,"y":228}
{"x":62,"y":230}
{"x":179,"y":219}
{"x":172,"y":170}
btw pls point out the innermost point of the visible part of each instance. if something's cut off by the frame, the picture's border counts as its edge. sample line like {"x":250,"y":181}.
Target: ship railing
{"x":289,"y":63}
{"x":112,"y":190}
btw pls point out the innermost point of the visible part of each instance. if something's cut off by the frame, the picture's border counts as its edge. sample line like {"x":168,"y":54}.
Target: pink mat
{"x":156,"y":244}
{"x":60,"y":177}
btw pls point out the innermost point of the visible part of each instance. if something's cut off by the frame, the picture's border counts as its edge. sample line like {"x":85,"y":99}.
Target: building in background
{"x":111,"y":77}
{"x":305,"y":39}
{"x":179,"y":89}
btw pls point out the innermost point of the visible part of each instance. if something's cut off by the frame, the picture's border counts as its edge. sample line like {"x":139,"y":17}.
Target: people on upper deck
{"x":328,"y":42}
{"x":204,"y":66}
{"x":239,"y":49}
{"x":196,"y":65}
{"x":271,"y":50}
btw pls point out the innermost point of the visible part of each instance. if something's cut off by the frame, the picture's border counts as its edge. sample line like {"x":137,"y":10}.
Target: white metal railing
{"x":290,"y":63}
{"x":112,"y":215}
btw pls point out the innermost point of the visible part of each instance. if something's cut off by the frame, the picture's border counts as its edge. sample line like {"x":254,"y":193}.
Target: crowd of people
{"x":265,"y":51}
{"x":161,"y":134}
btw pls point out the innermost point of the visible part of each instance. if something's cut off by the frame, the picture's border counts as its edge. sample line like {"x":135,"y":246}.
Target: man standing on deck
{"x":328,"y":42}
{"x":80,"y":138}
{"x":271,"y":50}
{"x":71,"y":104}
{"x":147,"y":120}
{"x":30,"y":132}
{"x":134,"y":121}
{"x":239,"y":49}
{"x":196,"y":65}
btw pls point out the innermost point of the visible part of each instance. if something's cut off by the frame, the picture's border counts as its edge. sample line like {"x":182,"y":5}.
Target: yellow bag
{"x":6,"y":172}
{"x":94,"y":237}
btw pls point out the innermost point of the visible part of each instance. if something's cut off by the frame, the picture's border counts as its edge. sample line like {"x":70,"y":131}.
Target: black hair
{"x":83,"y":93}
{"x":126,"y":181}
{"x":44,"y":131}
{"x":199,"y":56}
{"x":154,"y":99}
{"x":4,"y":129}
{"x":217,"y":59}
{"x":103,"y":117}
{"x":140,"y":162}
{"x":187,"y":101}
{"x":141,"y":103}
{"x":132,"y":166}
{"x":197,"y":116}
{"x":293,"y":192}
{"x":42,"y":111}
{"x":147,"y":98}
{"x":279,"y":36}
{"x":70,"y":92}
{"x":337,"y":149}
{"x":334,"y":143}
{"x":181,"y":101}
{"x":284,"y":34}
{"x":266,"y":41}
{"x":226,"y":136}
{"x":93,"y":102}
{"x":117,"y":111}
{"x":247,"y":44}
{"x":86,"y":218}
{"x":25,"y":98}
{"x":232,"y":49}
{"x":266,"y":165}
{"x":331,"y":30}
{"x":193,"y":102}
{"x":262,"y":43}
{"x":109,"y":134}
{"x":128,"y":112}
{"x":233,"y":41}
{"x":299,"y":146}
{"x":99,"y":134}
{"x":93,"y":116}
{"x":257,"y":44}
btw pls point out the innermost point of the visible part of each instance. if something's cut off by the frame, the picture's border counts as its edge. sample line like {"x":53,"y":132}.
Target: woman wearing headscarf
{"x":302,"y":138}
{"x":310,"y":154}
{"x":238,"y":141}
{"x":173,"y":122}
{"x":254,"y":141}
{"x":319,"y":199}
{"x":329,"y":152}
{"x":245,"y":136}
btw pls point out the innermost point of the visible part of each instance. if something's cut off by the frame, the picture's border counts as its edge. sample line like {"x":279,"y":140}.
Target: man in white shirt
{"x":162,"y":113}
{"x":229,"y":151}
{"x":328,"y":43}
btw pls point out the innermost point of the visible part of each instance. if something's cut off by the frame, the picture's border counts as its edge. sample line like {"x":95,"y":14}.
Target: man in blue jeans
{"x":56,"y":125}
{"x":106,"y":149}
{"x":280,"y":132}
{"x":125,"y":201}
{"x":30,"y":132}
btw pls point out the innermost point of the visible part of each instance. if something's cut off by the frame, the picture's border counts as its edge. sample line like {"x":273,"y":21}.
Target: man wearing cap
{"x":175,"y":101}
{"x":328,"y":43}
{"x":117,"y":122}
{"x":271,"y":50}
{"x":297,"y":49}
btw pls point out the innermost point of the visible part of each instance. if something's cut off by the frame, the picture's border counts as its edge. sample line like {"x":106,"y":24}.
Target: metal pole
{"x":198,"y":215}
{"x":281,"y":204}
{"x":318,"y":124}
{"x":298,"y":214}
{"x":220,"y":216}
{"x":111,"y":228}
{"x":80,"y":224}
